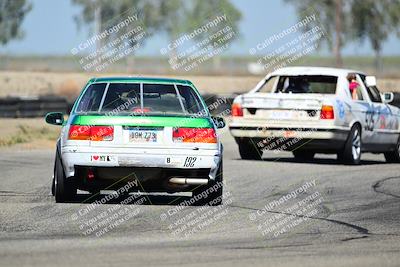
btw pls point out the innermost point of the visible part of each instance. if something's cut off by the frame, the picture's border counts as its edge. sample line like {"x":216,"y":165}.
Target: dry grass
{"x":27,"y":134}
{"x":70,"y":84}
{"x":69,"y":88}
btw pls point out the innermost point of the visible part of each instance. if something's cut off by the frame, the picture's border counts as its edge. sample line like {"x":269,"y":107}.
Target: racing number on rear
{"x":189,"y":161}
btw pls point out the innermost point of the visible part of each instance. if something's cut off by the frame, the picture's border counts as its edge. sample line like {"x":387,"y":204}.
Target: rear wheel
{"x":214,"y":190}
{"x":351,"y":153}
{"x":393,"y":156}
{"x":249,"y":150}
{"x":303,"y":154}
{"x":64,"y":189}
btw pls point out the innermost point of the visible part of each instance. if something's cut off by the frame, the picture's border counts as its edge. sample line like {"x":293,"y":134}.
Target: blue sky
{"x":51,"y":30}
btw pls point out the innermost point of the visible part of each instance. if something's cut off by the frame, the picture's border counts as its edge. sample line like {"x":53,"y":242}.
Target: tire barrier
{"x":30,"y":107}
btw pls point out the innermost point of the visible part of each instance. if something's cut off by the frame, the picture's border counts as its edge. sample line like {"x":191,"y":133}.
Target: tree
{"x":104,"y":14}
{"x":180,"y":17}
{"x":12,"y":14}
{"x":375,"y":20}
{"x":332,"y":15}
{"x":204,"y":11}
{"x":172,"y":17}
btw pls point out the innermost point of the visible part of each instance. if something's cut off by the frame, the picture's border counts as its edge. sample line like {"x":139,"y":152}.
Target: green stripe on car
{"x":143,"y":121}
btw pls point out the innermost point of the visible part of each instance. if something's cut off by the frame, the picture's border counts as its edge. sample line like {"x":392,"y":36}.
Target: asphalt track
{"x":344,"y":216}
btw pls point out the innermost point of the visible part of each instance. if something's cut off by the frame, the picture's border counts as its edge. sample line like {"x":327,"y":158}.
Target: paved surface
{"x":350,"y":217}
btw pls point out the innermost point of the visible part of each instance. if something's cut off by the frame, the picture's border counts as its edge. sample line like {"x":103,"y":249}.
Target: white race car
{"x":310,"y":110}
{"x":153,"y":133}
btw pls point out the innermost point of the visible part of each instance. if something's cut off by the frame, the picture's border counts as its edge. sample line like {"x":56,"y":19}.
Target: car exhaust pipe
{"x":188,"y":181}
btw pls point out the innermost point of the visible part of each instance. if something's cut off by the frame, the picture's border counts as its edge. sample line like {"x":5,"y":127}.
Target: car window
{"x":128,"y":97}
{"x":164,"y":98}
{"x":372,"y":91}
{"x":122,"y":97}
{"x":191,"y":101}
{"x":360,"y":89}
{"x":161,"y":98}
{"x":91,"y":99}
{"x":269,"y":85}
{"x":360,"y":95}
{"x":374,"y":94}
{"x":307,"y":84}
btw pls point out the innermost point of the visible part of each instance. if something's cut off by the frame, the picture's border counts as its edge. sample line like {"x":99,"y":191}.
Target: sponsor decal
{"x":340,"y":108}
{"x":173,"y":161}
{"x":383,"y":122}
{"x":102,"y":158}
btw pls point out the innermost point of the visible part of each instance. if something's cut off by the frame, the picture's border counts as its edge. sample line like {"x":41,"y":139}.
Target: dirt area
{"x":22,"y":134}
{"x":69,"y":84}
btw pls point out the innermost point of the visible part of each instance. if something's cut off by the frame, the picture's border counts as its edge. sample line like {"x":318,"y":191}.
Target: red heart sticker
{"x":95,"y":157}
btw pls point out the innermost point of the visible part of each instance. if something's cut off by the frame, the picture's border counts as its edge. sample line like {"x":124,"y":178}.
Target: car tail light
{"x":237,"y":110}
{"x":92,"y":133}
{"x":194,"y":135}
{"x":327,"y":112}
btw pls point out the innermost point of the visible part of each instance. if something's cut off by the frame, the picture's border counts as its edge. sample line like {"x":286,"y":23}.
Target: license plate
{"x":143,"y":136}
{"x":279,"y":114}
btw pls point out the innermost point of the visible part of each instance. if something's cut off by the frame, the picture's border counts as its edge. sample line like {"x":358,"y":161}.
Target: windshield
{"x":163,"y":99}
{"x":301,"y":84}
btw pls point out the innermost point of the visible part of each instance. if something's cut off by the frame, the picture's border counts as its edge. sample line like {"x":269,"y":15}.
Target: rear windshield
{"x":128,"y":98}
{"x":304,"y":84}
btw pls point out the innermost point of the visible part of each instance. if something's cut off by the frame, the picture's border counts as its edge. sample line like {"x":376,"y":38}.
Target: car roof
{"x":313,"y":71}
{"x":130,"y":79}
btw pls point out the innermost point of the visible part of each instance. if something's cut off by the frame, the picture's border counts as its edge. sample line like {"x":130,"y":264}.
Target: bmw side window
{"x":91,"y":99}
{"x":372,"y":91}
{"x":376,"y":93}
{"x":269,"y":85}
{"x":361,"y":89}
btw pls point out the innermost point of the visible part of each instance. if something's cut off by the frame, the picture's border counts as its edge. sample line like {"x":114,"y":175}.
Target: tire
{"x":53,"y":187}
{"x":213,"y":198}
{"x":393,"y":156}
{"x":64,"y":190}
{"x":351,"y":153}
{"x":303,"y":154}
{"x":248,"y":150}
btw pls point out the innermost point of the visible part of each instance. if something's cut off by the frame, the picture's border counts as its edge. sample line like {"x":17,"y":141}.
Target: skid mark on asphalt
{"x":377,"y":187}
{"x":354,"y":238}
{"x":359,"y":229}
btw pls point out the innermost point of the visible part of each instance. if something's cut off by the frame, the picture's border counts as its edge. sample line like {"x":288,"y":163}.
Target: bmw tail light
{"x":194,"y":135}
{"x":237,"y":110}
{"x":91,"y":133}
{"x":327,"y":112}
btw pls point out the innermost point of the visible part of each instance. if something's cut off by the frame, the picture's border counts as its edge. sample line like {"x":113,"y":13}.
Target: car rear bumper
{"x":290,"y":139}
{"x":140,"y":158}
{"x":288,"y":132}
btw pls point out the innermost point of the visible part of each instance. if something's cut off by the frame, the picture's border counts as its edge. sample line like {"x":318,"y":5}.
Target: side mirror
{"x":55,"y":118}
{"x":219,"y":122}
{"x":387,"y":97}
{"x":370,"y":81}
